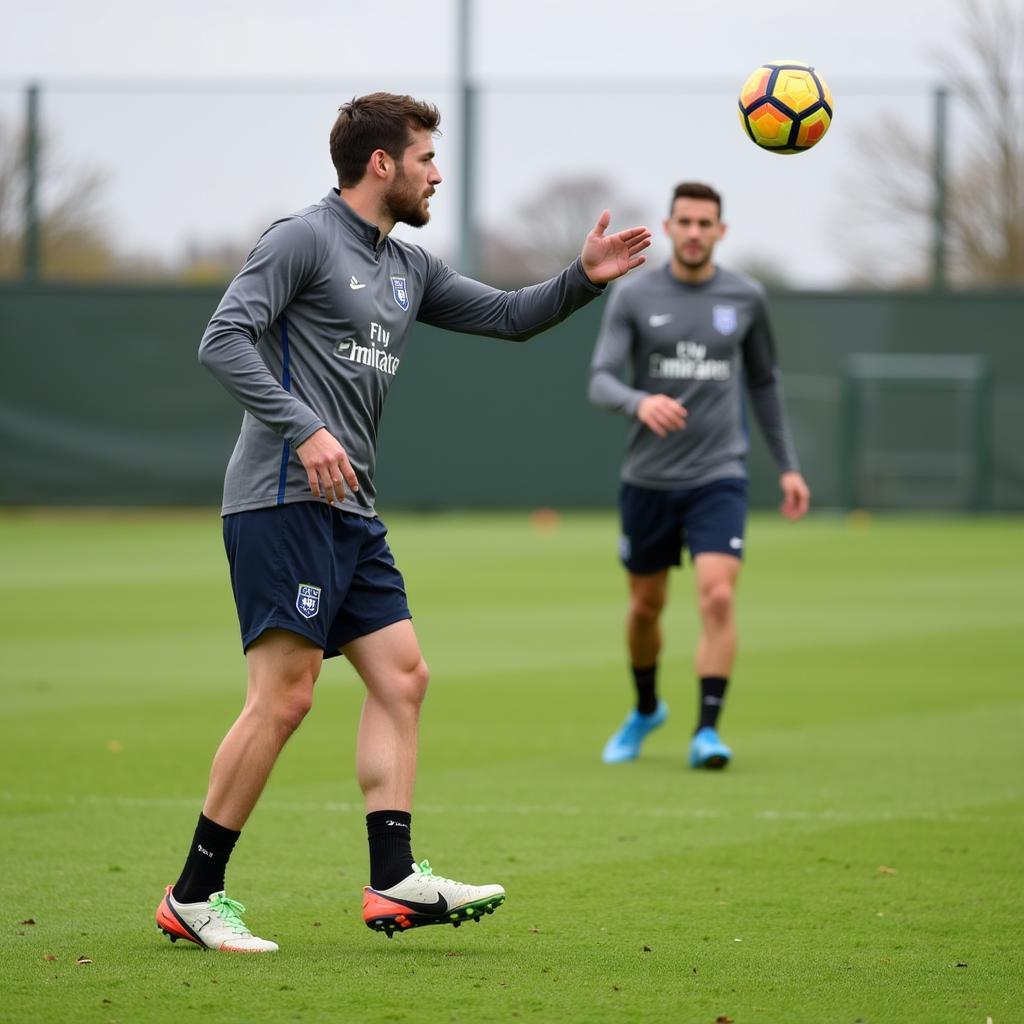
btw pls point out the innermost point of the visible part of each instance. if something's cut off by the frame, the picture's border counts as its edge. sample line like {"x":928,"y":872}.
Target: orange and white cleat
{"x":423,"y":898}
{"x":215,"y":923}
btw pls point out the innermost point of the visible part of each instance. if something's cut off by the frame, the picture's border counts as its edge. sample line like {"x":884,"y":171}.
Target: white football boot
{"x":425,"y":898}
{"x":215,"y":923}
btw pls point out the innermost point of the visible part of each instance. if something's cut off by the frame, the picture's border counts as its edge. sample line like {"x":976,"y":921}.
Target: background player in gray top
{"x":308,"y":338}
{"x":686,"y":336}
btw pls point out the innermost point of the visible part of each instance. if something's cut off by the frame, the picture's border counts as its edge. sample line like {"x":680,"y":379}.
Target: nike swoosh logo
{"x":660,"y":319}
{"x":439,"y":907}
{"x":355,"y":285}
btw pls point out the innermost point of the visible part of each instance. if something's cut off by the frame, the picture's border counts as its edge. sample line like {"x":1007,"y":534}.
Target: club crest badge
{"x":400,"y":292}
{"x":723,"y":319}
{"x":308,"y":600}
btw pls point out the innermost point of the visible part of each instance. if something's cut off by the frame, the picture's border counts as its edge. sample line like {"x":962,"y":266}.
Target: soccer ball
{"x":785,"y":106}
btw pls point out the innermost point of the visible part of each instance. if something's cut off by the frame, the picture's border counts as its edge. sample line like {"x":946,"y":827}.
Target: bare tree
{"x":985,"y":192}
{"x":987,"y":207}
{"x":73,"y":244}
{"x":548,"y":229}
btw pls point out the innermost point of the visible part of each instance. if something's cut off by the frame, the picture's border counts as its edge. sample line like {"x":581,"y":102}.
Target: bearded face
{"x":406,"y":203}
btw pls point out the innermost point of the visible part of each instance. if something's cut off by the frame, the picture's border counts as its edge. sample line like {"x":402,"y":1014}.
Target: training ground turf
{"x":861,"y":860}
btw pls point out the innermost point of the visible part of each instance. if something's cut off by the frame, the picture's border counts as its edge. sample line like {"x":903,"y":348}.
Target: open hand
{"x":606,"y":257}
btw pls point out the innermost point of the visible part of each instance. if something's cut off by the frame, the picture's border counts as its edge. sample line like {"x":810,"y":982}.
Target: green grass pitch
{"x":861,"y":860}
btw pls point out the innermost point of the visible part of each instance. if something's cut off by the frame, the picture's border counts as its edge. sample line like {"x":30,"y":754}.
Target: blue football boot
{"x":707,"y":750}
{"x":625,"y":744}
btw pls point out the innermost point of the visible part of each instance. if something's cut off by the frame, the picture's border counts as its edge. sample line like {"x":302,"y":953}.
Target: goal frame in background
{"x":883,"y":383}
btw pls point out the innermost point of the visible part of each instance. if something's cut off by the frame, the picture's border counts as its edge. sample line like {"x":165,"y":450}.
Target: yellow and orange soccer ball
{"x":785,"y":106}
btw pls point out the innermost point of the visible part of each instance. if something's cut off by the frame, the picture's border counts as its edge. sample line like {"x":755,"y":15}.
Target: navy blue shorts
{"x":656,"y":524}
{"x":315,"y":570}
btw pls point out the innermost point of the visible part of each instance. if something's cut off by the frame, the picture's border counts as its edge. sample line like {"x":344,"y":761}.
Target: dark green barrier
{"x":102,"y":400}
{"x":819,"y":333}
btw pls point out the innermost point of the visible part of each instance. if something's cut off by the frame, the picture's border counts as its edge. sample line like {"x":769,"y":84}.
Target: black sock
{"x":644,"y":679}
{"x":712,"y":697}
{"x":207,"y":861}
{"x":390,"y":835}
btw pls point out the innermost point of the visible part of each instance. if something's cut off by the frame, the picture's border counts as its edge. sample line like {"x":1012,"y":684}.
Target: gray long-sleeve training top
{"x":312,"y":331}
{"x":694,"y":342}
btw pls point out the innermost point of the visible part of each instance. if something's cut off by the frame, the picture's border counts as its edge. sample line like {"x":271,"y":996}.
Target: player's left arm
{"x":765,"y":390}
{"x":461,"y":304}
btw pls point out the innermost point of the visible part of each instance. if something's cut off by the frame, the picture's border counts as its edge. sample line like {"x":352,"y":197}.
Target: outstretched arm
{"x":461,"y":304}
{"x":606,"y":257}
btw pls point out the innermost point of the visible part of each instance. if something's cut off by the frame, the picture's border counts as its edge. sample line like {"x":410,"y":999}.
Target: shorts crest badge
{"x":400,"y":292}
{"x":307,"y":601}
{"x":723,"y":319}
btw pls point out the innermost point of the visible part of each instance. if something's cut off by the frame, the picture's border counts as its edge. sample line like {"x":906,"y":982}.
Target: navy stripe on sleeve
{"x":286,"y":383}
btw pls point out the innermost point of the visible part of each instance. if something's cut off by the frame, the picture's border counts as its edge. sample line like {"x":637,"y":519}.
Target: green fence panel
{"x":103,"y":402}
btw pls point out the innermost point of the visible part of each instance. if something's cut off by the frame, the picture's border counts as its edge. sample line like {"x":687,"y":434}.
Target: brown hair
{"x":695,"y":190}
{"x":381,"y":120}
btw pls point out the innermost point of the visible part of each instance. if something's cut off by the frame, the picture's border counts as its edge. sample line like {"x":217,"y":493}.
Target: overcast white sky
{"x":205,"y":163}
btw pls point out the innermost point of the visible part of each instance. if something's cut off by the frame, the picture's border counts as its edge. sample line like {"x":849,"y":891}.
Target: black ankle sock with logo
{"x":712,"y":697}
{"x":390,"y":836}
{"x":206,"y":863}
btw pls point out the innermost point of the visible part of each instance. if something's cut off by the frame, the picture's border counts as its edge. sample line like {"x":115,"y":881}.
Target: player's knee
{"x":717,"y":601}
{"x":286,"y":703}
{"x":402,"y":687}
{"x":294,"y":708}
{"x":645,"y":609}
{"x":414,"y":683}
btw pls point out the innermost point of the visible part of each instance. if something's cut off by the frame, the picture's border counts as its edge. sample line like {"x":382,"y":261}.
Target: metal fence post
{"x":939,"y":269}
{"x":468,"y":254}
{"x":31,"y":251}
